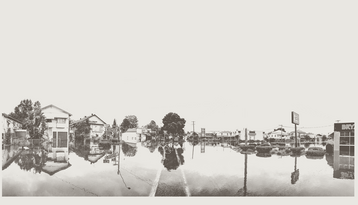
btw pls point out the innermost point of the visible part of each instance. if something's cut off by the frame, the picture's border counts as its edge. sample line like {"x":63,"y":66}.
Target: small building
{"x":58,"y":128}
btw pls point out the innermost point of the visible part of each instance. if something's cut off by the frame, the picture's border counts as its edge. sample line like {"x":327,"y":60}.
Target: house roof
{"x":132,"y":130}
{"x":56,"y":108}
{"x":11,"y":118}
{"x":83,"y":119}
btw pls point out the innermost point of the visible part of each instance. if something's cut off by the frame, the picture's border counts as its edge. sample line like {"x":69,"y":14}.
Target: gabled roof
{"x":56,"y":108}
{"x":83,"y":119}
{"x":11,"y":118}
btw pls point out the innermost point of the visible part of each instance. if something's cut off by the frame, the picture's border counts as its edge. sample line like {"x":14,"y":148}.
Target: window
{"x":61,"y":120}
{"x":48,"y":120}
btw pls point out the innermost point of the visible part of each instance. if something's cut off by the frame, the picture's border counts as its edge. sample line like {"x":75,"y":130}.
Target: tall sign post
{"x":295,"y":119}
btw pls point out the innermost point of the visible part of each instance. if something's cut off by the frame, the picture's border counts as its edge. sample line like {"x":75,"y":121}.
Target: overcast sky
{"x":224,"y":64}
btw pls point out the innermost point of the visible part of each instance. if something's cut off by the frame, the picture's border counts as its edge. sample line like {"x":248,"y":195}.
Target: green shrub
{"x":315,"y":151}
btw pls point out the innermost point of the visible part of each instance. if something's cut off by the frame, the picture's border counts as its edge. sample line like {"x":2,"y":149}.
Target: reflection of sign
{"x":202,"y":147}
{"x":344,"y":126}
{"x":343,"y":174}
{"x":203,"y":132}
{"x":295,"y":118}
{"x":295,"y":176}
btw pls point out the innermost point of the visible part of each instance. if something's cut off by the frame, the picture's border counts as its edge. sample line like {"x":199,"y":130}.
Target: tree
{"x":114,"y":125}
{"x":125,"y":125}
{"x":133,"y":121}
{"x":82,"y":128}
{"x":173,"y":124}
{"x":152,"y":126}
{"x":32,"y":117}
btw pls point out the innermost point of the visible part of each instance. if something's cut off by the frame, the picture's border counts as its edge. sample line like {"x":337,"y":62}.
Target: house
{"x":12,"y":129}
{"x":97,"y":125}
{"x":131,"y":135}
{"x":58,"y":128}
{"x":278,"y":134}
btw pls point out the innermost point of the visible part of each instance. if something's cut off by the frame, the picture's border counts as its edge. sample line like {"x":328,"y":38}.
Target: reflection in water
{"x":243,"y":191}
{"x":343,"y":166}
{"x":295,"y":174}
{"x":129,"y":149}
{"x":172,"y":157}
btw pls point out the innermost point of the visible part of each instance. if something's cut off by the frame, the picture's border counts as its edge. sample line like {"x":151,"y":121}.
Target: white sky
{"x":224,"y":64}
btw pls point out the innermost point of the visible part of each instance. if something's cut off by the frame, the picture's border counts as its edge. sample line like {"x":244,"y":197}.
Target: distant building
{"x":278,"y":134}
{"x":58,"y":128}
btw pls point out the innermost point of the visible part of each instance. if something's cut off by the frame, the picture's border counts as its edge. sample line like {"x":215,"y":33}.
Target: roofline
{"x":11,"y":118}
{"x":81,"y":120}
{"x":51,"y":105}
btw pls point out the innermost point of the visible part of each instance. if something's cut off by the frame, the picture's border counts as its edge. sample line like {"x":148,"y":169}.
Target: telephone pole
{"x":193,"y":126}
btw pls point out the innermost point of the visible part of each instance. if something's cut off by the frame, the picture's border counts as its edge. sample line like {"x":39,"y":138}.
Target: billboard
{"x":295,"y":118}
{"x":347,"y":126}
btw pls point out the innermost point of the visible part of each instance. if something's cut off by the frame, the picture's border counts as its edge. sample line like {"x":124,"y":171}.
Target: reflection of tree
{"x":151,"y":144}
{"x":31,"y":160}
{"x":128,"y":150}
{"x":172,"y":157}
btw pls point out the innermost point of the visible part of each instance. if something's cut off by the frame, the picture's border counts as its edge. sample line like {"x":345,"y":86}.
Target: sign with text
{"x":295,"y":118}
{"x":348,"y":126}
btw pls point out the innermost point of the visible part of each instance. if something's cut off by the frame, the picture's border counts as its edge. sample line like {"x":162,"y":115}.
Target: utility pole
{"x":193,"y":126}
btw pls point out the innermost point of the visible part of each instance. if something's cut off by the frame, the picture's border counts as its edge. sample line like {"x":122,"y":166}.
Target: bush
{"x":315,"y":151}
{"x":263,"y":149}
{"x":246,"y":147}
{"x":329,"y":148}
{"x":297,"y":150}
{"x":263,"y":154}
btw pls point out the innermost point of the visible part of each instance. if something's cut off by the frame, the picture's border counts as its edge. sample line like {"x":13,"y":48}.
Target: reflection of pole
{"x":245,"y":178}
{"x":192,"y":153}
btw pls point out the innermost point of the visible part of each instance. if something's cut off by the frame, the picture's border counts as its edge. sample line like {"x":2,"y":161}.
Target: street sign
{"x":295,"y":118}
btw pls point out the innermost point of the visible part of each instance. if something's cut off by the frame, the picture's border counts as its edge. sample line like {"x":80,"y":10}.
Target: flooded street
{"x":154,"y":168}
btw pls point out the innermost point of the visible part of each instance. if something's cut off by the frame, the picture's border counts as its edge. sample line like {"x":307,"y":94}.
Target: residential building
{"x":97,"y":125}
{"x":132,"y":135}
{"x":58,"y":128}
{"x":12,"y":129}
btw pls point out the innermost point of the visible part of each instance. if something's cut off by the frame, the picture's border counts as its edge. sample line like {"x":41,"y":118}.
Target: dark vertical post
{"x":245,"y":177}
{"x":245,"y":136}
{"x":295,"y":135}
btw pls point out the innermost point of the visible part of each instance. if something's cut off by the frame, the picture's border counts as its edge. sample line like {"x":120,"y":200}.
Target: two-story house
{"x":97,"y":126}
{"x":58,"y":128}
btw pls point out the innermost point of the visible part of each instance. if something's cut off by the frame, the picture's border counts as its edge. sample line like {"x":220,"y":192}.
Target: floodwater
{"x":154,"y":168}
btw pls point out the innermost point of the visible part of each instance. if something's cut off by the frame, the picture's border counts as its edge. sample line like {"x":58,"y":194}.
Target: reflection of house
{"x":56,"y":161}
{"x":131,"y":135}
{"x":11,"y":129}
{"x":97,"y":125}
{"x":57,"y":121}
